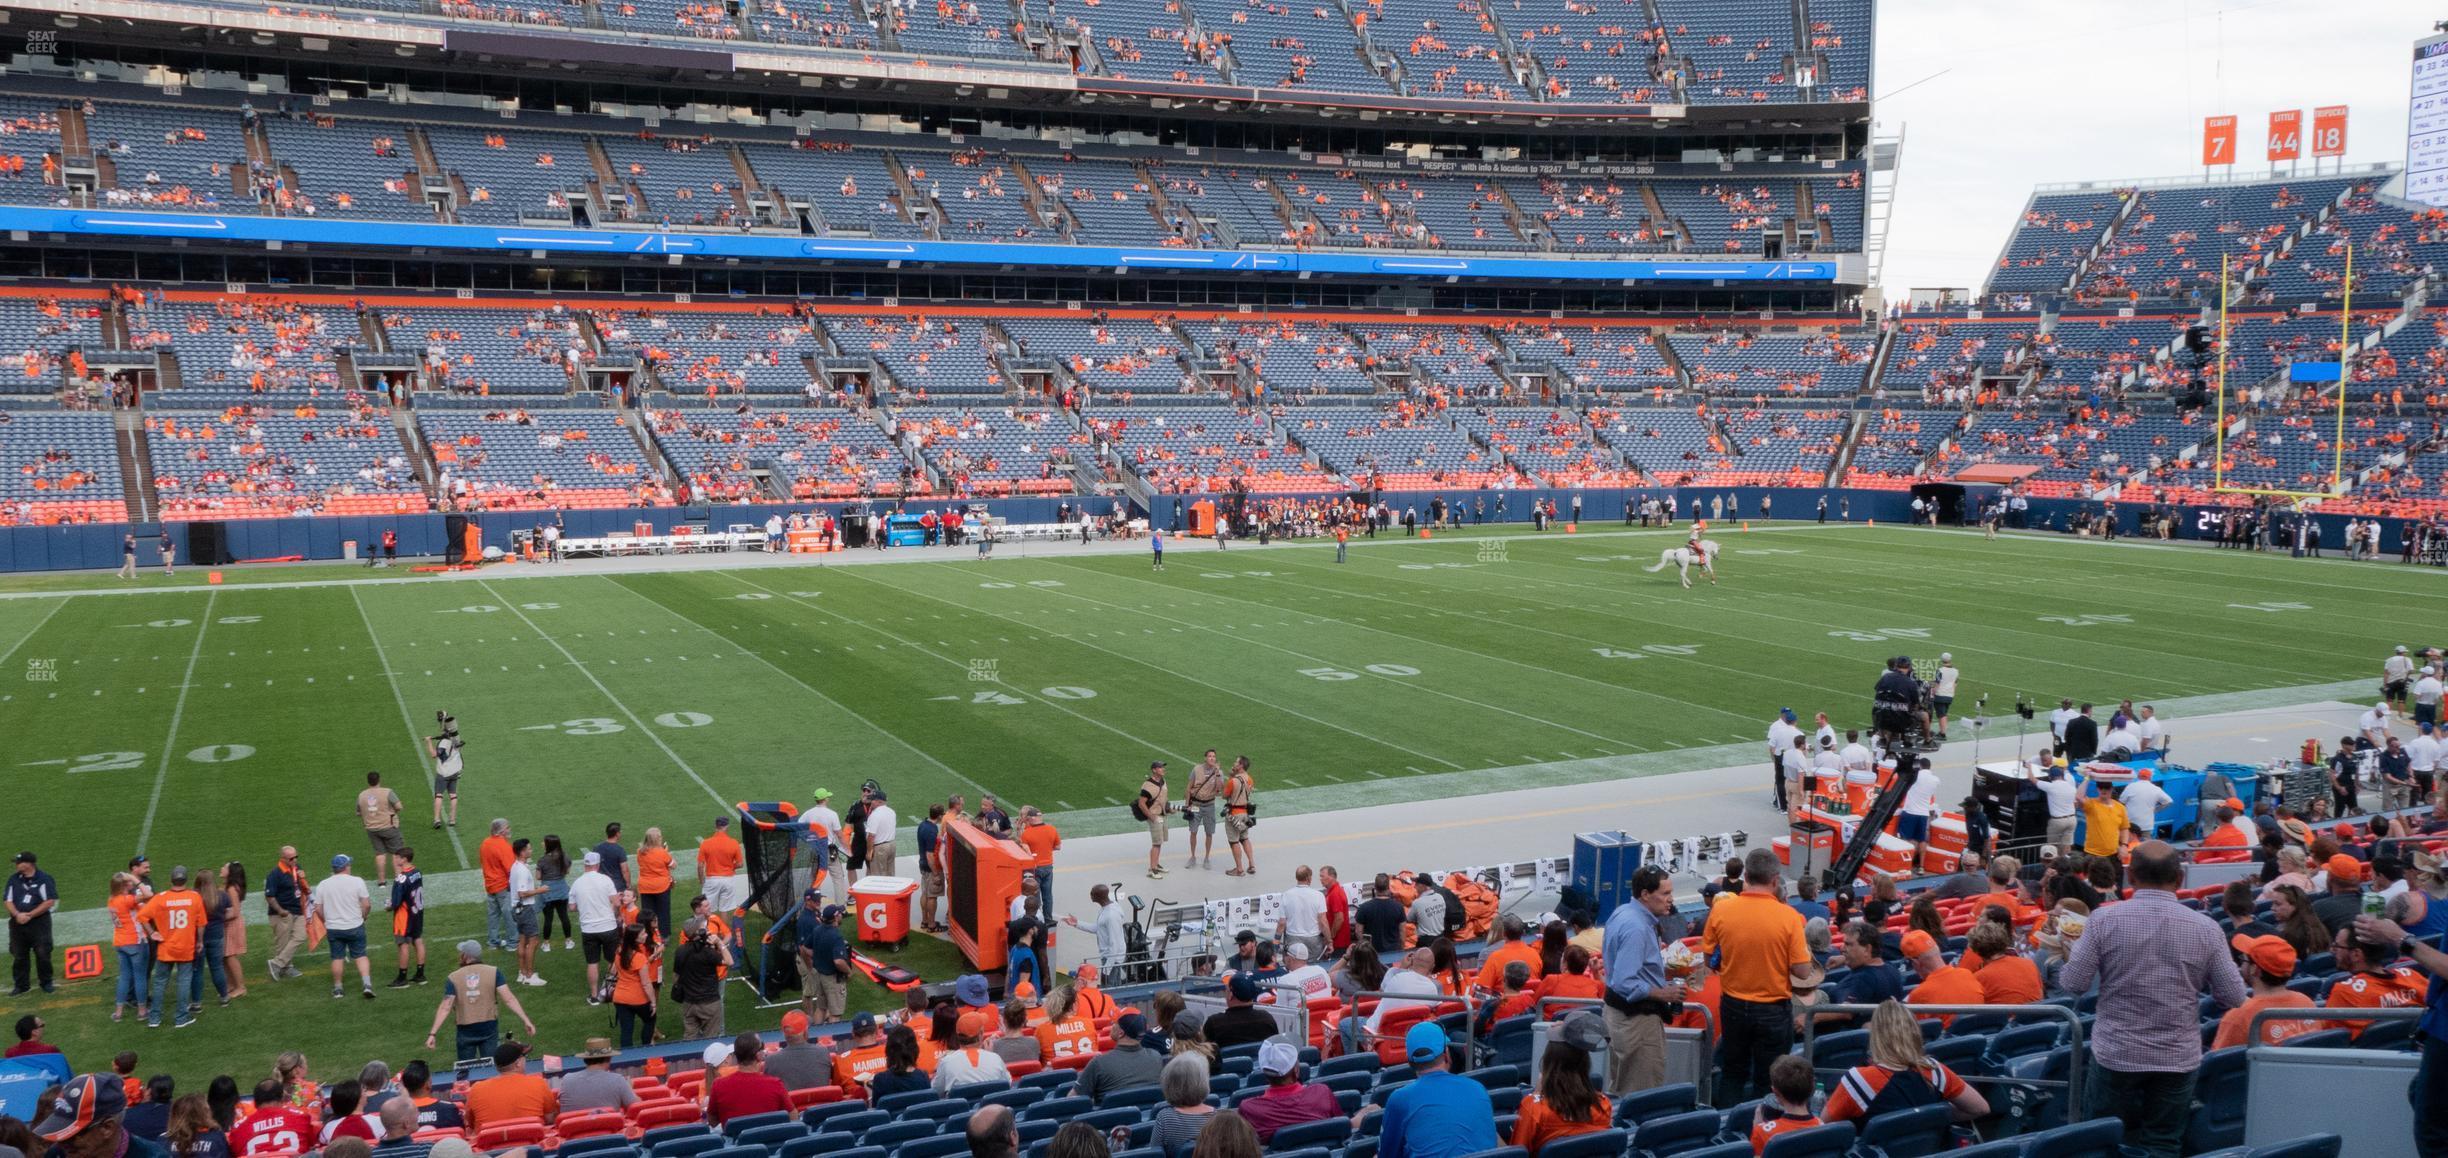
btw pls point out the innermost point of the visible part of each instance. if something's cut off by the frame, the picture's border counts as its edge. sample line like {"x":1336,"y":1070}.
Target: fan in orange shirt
{"x":1941,"y":983}
{"x":862,"y":1057}
{"x":1515,"y":948}
{"x":175,"y":918}
{"x":654,"y":880}
{"x":2375,"y":980}
{"x":1066,"y":1032}
{"x":2005,"y":977}
{"x":719,"y":858}
{"x":1564,"y":1103}
{"x":1574,"y":979}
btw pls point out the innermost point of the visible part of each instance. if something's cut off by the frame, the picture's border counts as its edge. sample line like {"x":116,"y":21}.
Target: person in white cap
{"x":1301,"y":971}
{"x":342,"y":900}
{"x":2374,"y":725}
{"x":594,"y":898}
{"x":2396,"y":675}
{"x":1288,"y":1101}
{"x":1942,"y":696}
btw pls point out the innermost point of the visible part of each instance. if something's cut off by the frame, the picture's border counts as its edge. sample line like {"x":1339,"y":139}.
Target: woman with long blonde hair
{"x":1900,"y":1075}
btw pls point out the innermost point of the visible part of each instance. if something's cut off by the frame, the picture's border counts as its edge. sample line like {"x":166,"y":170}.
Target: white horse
{"x":1682,"y":559}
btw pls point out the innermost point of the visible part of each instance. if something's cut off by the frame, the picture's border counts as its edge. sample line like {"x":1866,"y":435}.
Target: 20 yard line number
{"x":1646,"y":650}
{"x":131,"y":761}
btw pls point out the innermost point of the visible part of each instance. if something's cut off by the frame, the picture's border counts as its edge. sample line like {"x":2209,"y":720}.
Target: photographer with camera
{"x":1638,"y":999}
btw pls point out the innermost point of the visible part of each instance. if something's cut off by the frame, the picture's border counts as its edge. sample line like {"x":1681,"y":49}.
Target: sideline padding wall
{"x":96,"y":546}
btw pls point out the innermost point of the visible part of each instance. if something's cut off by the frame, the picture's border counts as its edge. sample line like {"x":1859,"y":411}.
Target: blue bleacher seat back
{"x":1330,"y":1132}
{"x":1600,"y":1144}
{"x":2316,"y":1146}
{"x":686,"y":1147}
{"x":812,"y":1145}
{"x":1915,"y":1133}
{"x":939,"y":1146}
{"x":821,"y":1117}
{"x":772,"y":1134}
{"x":1833,"y":1140}
{"x":1676,"y":1133}
{"x":1678,"y":1098}
{"x":656,"y":1137}
{"x":892,"y":1134}
{"x":2218,"y":1100}
{"x":2097,"y":1138}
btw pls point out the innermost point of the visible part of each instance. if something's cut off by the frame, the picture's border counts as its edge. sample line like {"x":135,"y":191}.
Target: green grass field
{"x":203,"y":724}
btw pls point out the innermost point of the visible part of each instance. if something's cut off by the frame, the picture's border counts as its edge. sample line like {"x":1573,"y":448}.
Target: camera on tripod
{"x":2024,"y":707}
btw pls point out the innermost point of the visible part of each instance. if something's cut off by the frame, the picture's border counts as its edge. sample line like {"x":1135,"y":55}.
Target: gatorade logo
{"x":872,"y":916}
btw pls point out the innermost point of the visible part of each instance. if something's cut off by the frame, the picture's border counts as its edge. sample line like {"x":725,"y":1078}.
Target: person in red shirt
{"x":276,"y":1127}
{"x":1338,"y":911}
{"x":748,"y":1089}
{"x":2374,"y":980}
{"x":29,"y":1039}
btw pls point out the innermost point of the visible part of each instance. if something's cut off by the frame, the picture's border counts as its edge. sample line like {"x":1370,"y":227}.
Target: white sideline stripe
{"x":416,"y":739}
{"x":161,"y":775}
{"x":607,"y":693}
{"x":31,"y":632}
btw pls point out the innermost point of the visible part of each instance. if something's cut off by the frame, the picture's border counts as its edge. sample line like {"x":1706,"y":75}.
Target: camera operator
{"x":1896,"y":701}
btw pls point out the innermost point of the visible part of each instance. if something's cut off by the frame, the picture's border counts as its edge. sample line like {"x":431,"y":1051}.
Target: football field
{"x":199,"y":724}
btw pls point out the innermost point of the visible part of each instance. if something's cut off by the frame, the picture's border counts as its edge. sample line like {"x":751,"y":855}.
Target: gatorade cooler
{"x":882,"y":906}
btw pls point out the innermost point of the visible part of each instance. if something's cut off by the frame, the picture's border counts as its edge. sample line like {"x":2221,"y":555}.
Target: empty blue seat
{"x":939,"y":1110}
{"x":1601,"y":1144}
{"x":1049,"y":1080}
{"x":1722,"y":1150}
{"x":1510,"y":1040}
{"x":746,"y":1122}
{"x":860,"y":1152}
{"x":1361,"y":1148}
{"x":1135,"y":1096}
{"x":1501,"y":1152}
{"x":1964,"y":1055}
{"x":1103,"y":1120}
{"x":1975,"y":1024}
{"x":1678,"y":1098}
{"x":1312,"y":1152}
{"x":896,"y":1103}
{"x":1508,"y":1099}
{"x":1676,"y":1133}
{"x":892,"y":1134}
{"x":2316,"y":1146}
{"x":2022,"y":1040}
{"x":2097,"y":1138}
{"x":1360,"y":1080}
{"x":1913,"y":1133}
{"x":812,"y":1145}
{"x":2386,"y":1035}
{"x":1365,"y":1063}
{"x":1834,"y":1140}
{"x":2043,"y":1106}
{"x":977,"y":1091}
{"x":738,"y":1152}
{"x":1057,"y":1109}
{"x":1496,"y":1077}
{"x":661,"y":1134}
{"x":939,"y":1146}
{"x":2218,"y":1100}
{"x":1034,"y":1132}
{"x":687,"y":1147}
{"x":2007,"y":1148}
{"x":1016,"y":1097}
{"x":772,"y":1134}
{"x":1840,"y":1051}
{"x":1330,"y":1132}
{"x":822,"y":1117}
{"x":597,"y":1145}
{"x":858,"y":1122}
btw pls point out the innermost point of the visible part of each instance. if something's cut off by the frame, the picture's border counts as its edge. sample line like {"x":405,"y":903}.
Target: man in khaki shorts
{"x":1151,"y":806}
{"x":379,"y":808}
{"x":1199,"y":807}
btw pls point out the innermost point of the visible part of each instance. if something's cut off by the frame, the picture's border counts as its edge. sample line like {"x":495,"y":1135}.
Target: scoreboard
{"x":2427,"y":124}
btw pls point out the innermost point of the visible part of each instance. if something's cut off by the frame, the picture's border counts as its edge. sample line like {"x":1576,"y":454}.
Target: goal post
{"x":2344,"y":377}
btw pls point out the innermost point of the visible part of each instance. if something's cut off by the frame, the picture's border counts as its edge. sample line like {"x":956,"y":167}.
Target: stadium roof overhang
{"x":396,"y":38}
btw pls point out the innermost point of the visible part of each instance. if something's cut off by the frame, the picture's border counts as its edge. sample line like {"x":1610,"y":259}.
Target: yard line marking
{"x":1048,"y":701}
{"x":810,"y":689}
{"x":39,"y":624}
{"x":651,"y":734}
{"x":178,"y":708}
{"x":417,"y":740}
{"x":1160,"y":669}
{"x":1421,"y":688}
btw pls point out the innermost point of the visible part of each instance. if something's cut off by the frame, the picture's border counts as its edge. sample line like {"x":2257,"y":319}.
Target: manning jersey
{"x":176,"y":918}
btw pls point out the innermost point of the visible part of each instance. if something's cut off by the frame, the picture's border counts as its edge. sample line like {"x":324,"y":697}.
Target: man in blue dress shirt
{"x":1638,"y":999}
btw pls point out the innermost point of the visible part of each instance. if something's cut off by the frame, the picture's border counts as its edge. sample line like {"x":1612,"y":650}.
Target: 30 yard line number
{"x":1646,"y":650}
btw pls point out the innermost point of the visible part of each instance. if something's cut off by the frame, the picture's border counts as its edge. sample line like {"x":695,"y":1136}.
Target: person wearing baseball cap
{"x":31,"y":894}
{"x":2269,"y":963}
{"x":84,"y":1122}
{"x":1151,"y":807}
{"x":825,"y":842}
{"x":1563,"y":1102}
{"x":696,"y":974}
{"x":1440,"y":1114}
{"x":824,"y":959}
{"x":2344,"y":901}
{"x":1288,"y":1101}
{"x":969,"y":1062}
{"x":1129,"y":1065}
{"x":798,"y":1062}
{"x":1941,"y":983}
{"x":863,"y":1057}
{"x":1242,"y":1022}
{"x":747,"y":1089}
{"x":475,"y":994}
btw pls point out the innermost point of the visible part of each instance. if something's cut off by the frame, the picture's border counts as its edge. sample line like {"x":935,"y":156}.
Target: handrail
{"x":2252,"y":1027}
{"x":1470,"y":1011}
{"x":1708,"y":1033}
{"x":2074,"y":1038}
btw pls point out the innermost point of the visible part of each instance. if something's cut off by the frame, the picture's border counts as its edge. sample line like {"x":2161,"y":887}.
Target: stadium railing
{"x":2363,"y":1097}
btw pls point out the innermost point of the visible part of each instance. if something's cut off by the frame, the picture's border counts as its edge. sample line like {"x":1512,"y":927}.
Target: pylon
{"x":1746,"y":524}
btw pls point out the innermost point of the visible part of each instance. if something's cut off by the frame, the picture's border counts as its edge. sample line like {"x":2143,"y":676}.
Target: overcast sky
{"x":2083,"y":90}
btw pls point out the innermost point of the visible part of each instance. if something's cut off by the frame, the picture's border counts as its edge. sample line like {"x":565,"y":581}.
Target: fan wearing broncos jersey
{"x":276,"y":1127}
{"x":2375,"y":979}
{"x":408,"y":916}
